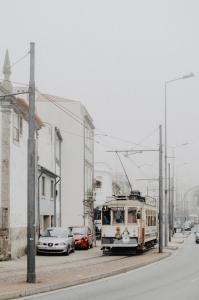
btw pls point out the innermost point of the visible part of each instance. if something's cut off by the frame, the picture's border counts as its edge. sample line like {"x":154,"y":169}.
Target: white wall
{"x":18,"y":178}
{"x":0,"y":151}
{"x":72,"y":153}
{"x":103,"y":174}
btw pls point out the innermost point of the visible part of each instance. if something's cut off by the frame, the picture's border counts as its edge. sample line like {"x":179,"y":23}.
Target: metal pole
{"x":183,"y":213}
{"x":160,"y":192}
{"x":31,"y":249}
{"x":173,"y":191}
{"x":172,"y":206}
{"x":169,"y":170}
{"x":165,"y":162}
{"x":55,"y":201}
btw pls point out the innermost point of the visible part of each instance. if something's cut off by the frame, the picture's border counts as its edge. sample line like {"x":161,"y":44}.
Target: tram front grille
{"x":107,"y":240}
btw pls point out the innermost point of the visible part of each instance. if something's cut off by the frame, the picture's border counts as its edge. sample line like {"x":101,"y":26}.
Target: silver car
{"x":197,"y":237}
{"x":56,"y":240}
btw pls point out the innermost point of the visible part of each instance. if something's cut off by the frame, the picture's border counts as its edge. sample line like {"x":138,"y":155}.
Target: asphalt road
{"x":176,"y":277}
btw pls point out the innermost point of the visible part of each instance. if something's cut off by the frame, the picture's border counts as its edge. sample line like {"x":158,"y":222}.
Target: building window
{"x":98,"y":184}
{"x":43,"y":191}
{"x":16,"y":127}
{"x":52,"y":189}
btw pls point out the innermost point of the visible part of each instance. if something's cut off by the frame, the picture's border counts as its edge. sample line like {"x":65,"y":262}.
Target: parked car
{"x":187,"y":226}
{"x":197,"y":237}
{"x":83,"y":237}
{"x":56,"y":240}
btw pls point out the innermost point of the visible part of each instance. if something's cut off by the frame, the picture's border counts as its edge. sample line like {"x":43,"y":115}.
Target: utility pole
{"x":31,"y":247}
{"x":170,"y":205}
{"x":165,"y":171}
{"x":160,"y":192}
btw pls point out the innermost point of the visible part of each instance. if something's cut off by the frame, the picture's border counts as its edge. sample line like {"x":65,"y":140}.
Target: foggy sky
{"x":114,"y":56}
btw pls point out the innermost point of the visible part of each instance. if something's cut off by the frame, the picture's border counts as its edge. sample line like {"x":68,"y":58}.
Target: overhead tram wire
{"x":141,"y":171}
{"x":65,"y":110}
{"x":74,"y":116}
{"x":78,"y":119}
{"x":20,"y":59}
{"x":15,"y":82}
{"x":148,"y":136}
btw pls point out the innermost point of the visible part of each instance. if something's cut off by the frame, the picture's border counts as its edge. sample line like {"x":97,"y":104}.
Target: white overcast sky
{"x":114,"y":56}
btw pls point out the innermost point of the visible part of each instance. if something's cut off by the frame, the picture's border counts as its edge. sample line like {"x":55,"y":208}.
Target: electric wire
{"x":79,"y":120}
{"x":20,"y":59}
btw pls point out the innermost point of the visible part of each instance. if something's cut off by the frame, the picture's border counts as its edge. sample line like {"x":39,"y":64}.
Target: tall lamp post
{"x":165,"y":151}
{"x":172,"y":187}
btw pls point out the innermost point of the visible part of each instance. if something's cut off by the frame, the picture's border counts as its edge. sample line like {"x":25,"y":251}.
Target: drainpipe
{"x":55,"y":196}
{"x":38,"y":201}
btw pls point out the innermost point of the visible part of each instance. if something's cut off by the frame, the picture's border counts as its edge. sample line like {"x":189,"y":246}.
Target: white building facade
{"x":13,"y":169}
{"x":103,"y":183}
{"x":65,"y":155}
{"x":76,"y":157}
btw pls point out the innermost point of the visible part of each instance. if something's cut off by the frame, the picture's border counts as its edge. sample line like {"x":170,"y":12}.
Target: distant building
{"x":103,"y":182}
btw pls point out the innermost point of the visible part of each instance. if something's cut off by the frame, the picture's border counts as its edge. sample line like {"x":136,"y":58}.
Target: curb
{"x":50,"y":287}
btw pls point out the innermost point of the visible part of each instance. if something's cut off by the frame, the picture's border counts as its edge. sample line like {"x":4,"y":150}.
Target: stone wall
{"x":5,"y":252}
{"x":19,"y":241}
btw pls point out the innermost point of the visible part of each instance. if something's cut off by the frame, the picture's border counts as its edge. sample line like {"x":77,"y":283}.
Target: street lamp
{"x":172,"y":188}
{"x":166,"y":187}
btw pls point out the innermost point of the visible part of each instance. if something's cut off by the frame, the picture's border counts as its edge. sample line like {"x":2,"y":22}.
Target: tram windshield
{"x":118,"y":215}
{"x":132,"y":215}
{"x":106,"y":216}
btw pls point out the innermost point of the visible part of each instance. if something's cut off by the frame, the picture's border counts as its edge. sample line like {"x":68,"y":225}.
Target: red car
{"x":83,"y":237}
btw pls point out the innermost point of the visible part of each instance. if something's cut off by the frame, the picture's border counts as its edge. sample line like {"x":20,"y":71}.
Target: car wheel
{"x":67,"y":251}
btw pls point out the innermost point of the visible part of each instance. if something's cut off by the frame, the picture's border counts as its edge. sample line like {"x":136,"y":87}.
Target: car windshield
{"x":78,"y":231}
{"x":54,"y":232}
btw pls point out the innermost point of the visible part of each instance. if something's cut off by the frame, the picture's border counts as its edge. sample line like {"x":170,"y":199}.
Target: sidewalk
{"x":54,"y":272}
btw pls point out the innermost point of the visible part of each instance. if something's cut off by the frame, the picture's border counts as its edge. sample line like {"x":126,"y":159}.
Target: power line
{"x":15,"y":82}
{"x":20,"y":59}
{"x":148,"y":136}
{"x":78,"y":119}
{"x":63,"y":108}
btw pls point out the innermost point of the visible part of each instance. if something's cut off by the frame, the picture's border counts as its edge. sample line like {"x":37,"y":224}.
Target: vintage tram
{"x":129,"y":223}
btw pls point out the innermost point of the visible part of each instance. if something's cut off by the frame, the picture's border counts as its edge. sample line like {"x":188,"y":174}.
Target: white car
{"x":56,"y":240}
{"x":197,"y":237}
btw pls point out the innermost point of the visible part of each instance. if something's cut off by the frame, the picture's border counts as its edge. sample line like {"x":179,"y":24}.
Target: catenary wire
{"x":20,"y":59}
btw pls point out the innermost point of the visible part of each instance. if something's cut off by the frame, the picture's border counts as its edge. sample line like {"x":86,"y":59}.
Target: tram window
{"x":97,"y":214}
{"x":106,"y":216}
{"x":118,"y":215}
{"x":139,"y":215}
{"x":132,"y":215}
{"x":146,"y":217}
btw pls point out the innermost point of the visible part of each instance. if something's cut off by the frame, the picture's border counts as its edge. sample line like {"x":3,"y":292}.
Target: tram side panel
{"x":151,"y":227}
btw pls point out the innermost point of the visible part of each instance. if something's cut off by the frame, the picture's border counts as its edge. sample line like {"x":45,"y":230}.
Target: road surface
{"x":176,"y":277}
